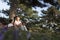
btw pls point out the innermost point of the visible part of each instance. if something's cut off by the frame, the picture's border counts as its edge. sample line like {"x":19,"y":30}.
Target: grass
{"x":36,"y":34}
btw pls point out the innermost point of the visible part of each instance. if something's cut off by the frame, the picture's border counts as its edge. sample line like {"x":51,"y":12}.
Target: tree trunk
{"x":12,"y":13}
{"x":12,"y":10}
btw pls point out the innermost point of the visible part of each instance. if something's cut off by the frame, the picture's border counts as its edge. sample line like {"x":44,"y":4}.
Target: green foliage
{"x":52,"y":14}
{"x":36,"y":34}
{"x":26,"y":12}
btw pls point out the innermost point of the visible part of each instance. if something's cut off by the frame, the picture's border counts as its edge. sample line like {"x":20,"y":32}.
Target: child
{"x":19,"y":24}
{"x":3,"y":28}
{"x":10,"y":23}
{"x":23,"y":27}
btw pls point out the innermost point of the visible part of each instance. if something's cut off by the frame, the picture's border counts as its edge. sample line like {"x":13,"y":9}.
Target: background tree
{"x":28,"y":4}
{"x":23,"y":8}
{"x":51,"y":17}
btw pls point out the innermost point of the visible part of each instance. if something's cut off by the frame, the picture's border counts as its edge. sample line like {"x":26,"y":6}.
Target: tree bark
{"x":12,"y":10}
{"x":12,"y":13}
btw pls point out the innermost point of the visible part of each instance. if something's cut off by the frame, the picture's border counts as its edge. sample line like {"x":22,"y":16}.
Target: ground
{"x":37,"y":33}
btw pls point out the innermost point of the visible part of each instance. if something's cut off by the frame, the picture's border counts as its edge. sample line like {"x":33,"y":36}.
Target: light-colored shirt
{"x":17,"y":22}
{"x":10,"y":25}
